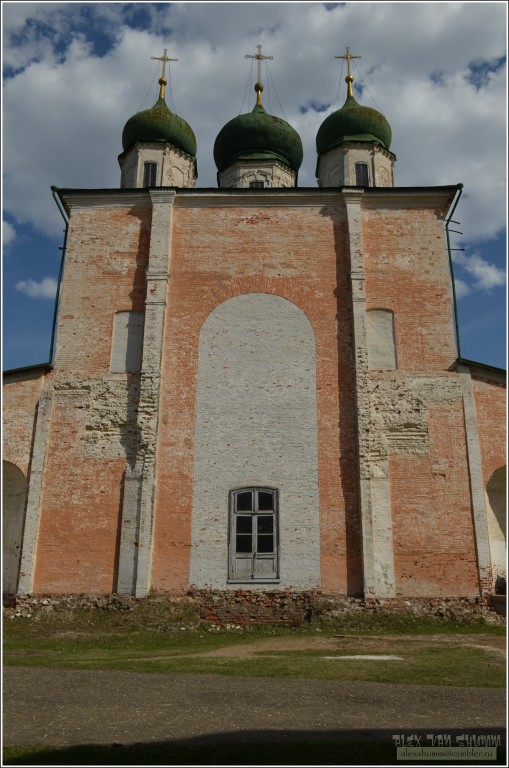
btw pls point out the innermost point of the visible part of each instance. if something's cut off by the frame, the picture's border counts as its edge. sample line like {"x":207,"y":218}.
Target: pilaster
{"x":34,"y":495}
{"x":477,"y":491}
{"x":374,"y":488}
{"x":139,"y":495}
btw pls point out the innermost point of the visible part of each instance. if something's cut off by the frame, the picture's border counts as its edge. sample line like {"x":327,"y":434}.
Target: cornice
{"x":236,"y":198}
{"x":79,"y":198}
{"x":370,"y":197}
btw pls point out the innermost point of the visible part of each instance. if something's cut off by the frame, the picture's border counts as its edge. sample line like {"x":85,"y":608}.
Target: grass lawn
{"x":149,"y":640}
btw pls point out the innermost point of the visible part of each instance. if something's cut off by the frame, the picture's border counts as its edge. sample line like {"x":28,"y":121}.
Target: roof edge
{"x":28,"y":369}
{"x":273,"y":191}
{"x":482,"y":366}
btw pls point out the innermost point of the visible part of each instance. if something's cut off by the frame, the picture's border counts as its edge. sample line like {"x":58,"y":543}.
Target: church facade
{"x":256,"y":387}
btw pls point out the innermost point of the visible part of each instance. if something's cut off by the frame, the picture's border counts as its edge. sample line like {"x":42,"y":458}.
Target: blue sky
{"x":75,"y":72}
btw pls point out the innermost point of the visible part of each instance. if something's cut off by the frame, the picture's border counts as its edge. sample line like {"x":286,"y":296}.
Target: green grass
{"x":346,"y":752}
{"x":453,"y":666}
{"x":103,"y":645}
{"x":157,"y":637}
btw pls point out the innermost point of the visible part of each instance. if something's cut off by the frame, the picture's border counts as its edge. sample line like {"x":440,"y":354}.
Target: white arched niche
{"x":381,"y":340}
{"x":256,"y":426}
{"x":496,"y":508}
{"x":13,"y":518}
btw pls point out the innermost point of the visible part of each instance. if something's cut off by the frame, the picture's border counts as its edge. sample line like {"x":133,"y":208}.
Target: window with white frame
{"x":149,"y":174}
{"x":256,"y":184}
{"x":253,"y":541}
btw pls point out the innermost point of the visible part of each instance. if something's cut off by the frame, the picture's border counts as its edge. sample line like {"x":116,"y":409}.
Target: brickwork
{"x":256,"y":425}
{"x":219,"y":253}
{"x":490,"y":401}
{"x":78,"y":533}
{"x":93,"y":426}
{"x":116,"y":461}
{"x":21,"y":392}
{"x":407,"y":272}
{"x":434,"y":547}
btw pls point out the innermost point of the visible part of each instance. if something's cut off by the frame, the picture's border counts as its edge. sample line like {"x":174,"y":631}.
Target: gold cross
{"x":259,"y":58}
{"x":348,"y":57}
{"x":348,"y":78}
{"x":164,"y":58}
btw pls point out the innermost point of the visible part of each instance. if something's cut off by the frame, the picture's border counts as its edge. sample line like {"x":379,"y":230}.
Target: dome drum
{"x":160,"y":139}
{"x":353,"y":148}
{"x":340,"y":166}
{"x":260,"y":138}
{"x":257,"y":172}
{"x":173,"y":168}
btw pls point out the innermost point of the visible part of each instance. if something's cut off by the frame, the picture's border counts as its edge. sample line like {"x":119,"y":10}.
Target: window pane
{"x":244,"y":542}
{"x":257,"y":184}
{"x":244,"y":524}
{"x":265,"y":524}
{"x":361,"y":174}
{"x":265,"y":543}
{"x":244,"y":501}
{"x":265,"y":501}
{"x":149,"y":174}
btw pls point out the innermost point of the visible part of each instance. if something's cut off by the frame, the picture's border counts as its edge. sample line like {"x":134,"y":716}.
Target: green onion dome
{"x":159,"y":124}
{"x":353,"y":122}
{"x":257,"y":135}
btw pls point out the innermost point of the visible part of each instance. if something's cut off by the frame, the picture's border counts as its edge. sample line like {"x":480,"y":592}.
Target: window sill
{"x":253,"y":581}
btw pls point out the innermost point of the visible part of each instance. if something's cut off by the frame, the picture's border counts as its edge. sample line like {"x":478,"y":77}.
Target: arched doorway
{"x":14,"y":496}
{"x":496,"y":512}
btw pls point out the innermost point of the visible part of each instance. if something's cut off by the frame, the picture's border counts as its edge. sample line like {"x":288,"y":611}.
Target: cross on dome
{"x":162,"y":80}
{"x":259,"y":58}
{"x":348,"y":78}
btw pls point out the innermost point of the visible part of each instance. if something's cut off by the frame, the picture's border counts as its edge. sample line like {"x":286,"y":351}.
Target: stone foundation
{"x":244,"y":608}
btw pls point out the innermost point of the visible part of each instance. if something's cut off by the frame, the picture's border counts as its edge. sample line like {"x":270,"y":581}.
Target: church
{"x":256,"y":388}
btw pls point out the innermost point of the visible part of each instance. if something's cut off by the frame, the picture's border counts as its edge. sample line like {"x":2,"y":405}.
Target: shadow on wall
{"x":14,"y":486}
{"x":496,"y":513}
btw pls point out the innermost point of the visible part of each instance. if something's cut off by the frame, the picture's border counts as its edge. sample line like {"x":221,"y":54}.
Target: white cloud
{"x":46,"y":289}
{"x":8,"y":233}
{"x":486,"y":276}
{"x":64,"y":112}
{"x":461,"y":288}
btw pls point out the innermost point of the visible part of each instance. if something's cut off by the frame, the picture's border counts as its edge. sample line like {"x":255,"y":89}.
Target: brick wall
{"x":415,"y":430}
{"x":93,"y":426}
{"x":298,"y":254}
{"x":490,"y":400}
{"x":407,"y":271}
{"x":20,"y":396}
{"x":434,"y":547}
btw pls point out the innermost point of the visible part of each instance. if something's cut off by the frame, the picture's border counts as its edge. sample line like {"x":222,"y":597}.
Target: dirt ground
{"x":355,"y":644}
{"x":69,"y":707}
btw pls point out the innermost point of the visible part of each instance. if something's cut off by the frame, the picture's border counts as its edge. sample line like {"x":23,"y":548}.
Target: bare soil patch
{"x":380,"y":644}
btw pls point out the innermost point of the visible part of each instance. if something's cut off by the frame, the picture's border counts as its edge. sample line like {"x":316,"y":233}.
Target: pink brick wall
{"x":490,"y":400}
{"x":407,"y":271}
{"x":20,"y":395}
{"x":434,"y":547}
{"x":299,"y":255}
